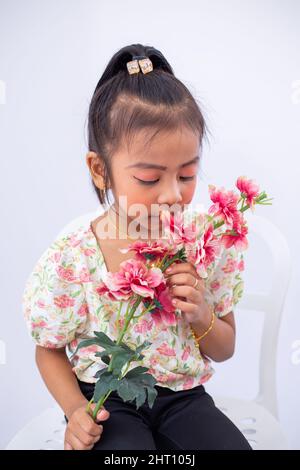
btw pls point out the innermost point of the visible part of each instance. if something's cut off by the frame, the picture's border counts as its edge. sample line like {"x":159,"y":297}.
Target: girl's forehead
{"x":177,"y":143}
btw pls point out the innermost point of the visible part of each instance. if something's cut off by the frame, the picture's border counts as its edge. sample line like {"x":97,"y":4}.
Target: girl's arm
{"x":219,"y":343}
{"x":56,"y":371}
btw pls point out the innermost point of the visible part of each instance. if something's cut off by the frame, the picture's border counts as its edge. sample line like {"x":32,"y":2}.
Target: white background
{"x":239,"y":58}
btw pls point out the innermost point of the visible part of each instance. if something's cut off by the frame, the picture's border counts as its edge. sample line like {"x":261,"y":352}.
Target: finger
{"x":103,"y":414}
{"x":186,"y":279}
{"x":192,"y":295}
{"x":182,"y":268}
{"x":186,"y":307}
{"x":67,"y":446}
{"x":79,"y":439}
{"x":87,"y":424}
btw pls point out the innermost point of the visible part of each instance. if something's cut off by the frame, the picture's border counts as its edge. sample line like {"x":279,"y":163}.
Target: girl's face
{"x":162,"y":173}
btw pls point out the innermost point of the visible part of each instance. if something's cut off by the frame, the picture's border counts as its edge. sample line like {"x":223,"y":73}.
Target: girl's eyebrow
{"x":160,"y":167}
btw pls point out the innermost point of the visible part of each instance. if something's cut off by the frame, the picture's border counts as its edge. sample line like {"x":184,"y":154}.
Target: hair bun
{"x":139,"y":57}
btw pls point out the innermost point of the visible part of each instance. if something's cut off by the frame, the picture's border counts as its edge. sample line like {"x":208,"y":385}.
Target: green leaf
{"x":118,"y":362}
{"x":134,"y":387}
{"x":106,"y":383}
{"x":152,"y":393}
{"x":141,"y":397}
{"x":103,"y":339}
{"x":136,"y":371}
{"x":105,"y":359}
{"x":75,"y":294}
{"x":100,"y":372}
{"x":114,"y":349}
{"x":142,"y":346}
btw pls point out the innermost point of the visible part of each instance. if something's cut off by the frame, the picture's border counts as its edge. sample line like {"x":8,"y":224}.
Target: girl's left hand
{"x":189,"y":299}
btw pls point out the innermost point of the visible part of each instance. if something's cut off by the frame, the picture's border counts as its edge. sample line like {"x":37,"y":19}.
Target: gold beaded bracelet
{"x":197,"y":339}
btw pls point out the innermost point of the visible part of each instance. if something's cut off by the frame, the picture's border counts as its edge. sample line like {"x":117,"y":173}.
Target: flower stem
{"x":128,"y":316}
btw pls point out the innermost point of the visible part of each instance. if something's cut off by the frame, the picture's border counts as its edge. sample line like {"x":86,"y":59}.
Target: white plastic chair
{"x":256,"y":419}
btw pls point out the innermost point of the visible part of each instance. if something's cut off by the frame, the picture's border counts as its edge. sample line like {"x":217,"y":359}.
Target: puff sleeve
{"x":225,"y":284}
{"x":53,"y":301}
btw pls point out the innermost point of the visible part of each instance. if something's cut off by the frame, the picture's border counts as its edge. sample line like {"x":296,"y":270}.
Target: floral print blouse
{"x":61,"y":307}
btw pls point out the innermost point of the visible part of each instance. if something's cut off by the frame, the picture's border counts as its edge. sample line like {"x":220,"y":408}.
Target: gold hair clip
{"x":143,"y":64}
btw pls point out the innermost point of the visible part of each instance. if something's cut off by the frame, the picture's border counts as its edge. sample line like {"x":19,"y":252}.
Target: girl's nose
{"x":170,"y":198}
{"x":170,"y":195}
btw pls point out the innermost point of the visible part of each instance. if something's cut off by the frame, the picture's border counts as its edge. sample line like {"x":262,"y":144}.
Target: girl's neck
{"x":120,"y":223}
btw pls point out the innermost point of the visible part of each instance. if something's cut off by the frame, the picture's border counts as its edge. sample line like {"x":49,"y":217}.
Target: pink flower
{"x":225,"y":204}
{"x":89,"y":251}
{"x":103,"y":290}
{"x":153,"y":360}
{"x":204,"y":251}
{"x":74,"y":241}
{"x":177,"y":231}
{"x":249,"y":189}
{"x":238,"y":238}
{"x":39,"y":324}
{"x":59,"y":337}
{"x":49,"y":345}
{"x":223,"y":305}
{"x":188,"y":383}
{"x":230,"y":266}
{"x":67,"y":274}
{"x":89,"y":349}
{"x":84,"y":275}
{"x":241,"y":265}
{"x":41,"y":304}
{"x":215,"y":285}
{"x":186,"y":353}
{"x":165,"y":350}
{"x":133,"y":278}
{"x":56,"y":256}
{"x":143,"y":326}
{"x":165,"y":311}
{"x":84,"y":310}
{"x":205,"y":378}
{"x":155,"y":250}
{"x":64,"y":301}
{"x":171,"y":377}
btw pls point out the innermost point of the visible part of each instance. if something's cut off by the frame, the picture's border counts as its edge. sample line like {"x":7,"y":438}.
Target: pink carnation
{"x":155,"y":250}
{"x":249,"y":189}
{"x":238,"y":238}
{"x":204,"y":251}
{"x":225,"y":204}
{"x":165,"y":311}
{"x":179,"y":232}
{"x":133,"y":278}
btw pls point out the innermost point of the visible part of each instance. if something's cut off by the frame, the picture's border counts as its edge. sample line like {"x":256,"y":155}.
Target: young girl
{"x":145,"y":132}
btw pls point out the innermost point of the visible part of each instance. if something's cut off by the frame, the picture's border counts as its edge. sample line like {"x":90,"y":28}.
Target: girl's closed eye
{"x":149,"y":182}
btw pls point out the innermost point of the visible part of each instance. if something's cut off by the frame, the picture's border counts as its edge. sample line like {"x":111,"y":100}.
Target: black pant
{"x":185,"y":420}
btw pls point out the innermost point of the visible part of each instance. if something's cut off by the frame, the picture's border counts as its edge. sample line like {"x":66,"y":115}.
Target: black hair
{"x":124,"y":103}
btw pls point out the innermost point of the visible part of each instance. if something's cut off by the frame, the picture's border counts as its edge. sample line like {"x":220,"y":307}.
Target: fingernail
{"x":168,"y":270}
{"x":174,"y":301}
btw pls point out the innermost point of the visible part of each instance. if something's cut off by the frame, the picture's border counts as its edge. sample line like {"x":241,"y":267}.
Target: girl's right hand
{"x":82,"y":431}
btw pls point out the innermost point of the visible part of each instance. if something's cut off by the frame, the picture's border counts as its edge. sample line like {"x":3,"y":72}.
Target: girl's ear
{"x":96,"y":167}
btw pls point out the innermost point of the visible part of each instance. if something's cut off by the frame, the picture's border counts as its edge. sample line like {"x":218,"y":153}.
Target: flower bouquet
{"x":142,"y":284}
